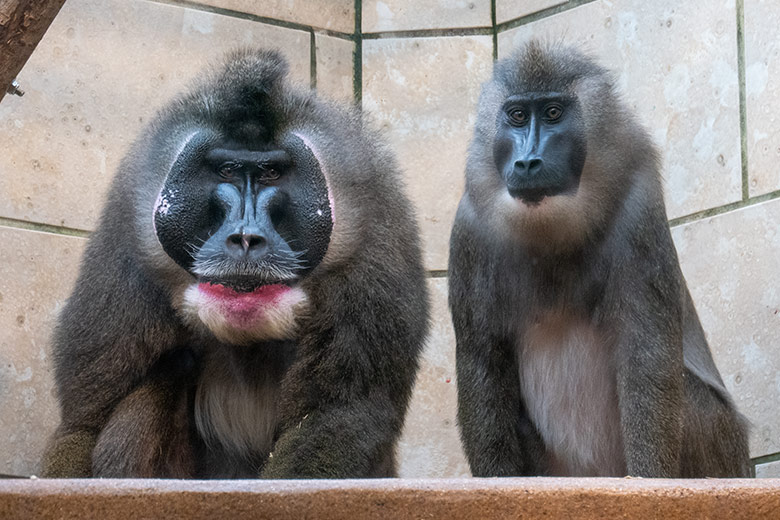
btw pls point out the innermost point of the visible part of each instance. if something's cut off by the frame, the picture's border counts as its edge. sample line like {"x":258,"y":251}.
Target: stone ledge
{"x":392,"y":498}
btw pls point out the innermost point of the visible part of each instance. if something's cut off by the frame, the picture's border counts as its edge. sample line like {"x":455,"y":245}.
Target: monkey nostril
{"x":534,"y":166}
{"x":250,"y":241}
{"x":528,"y":167}
{"x":245,"y":241}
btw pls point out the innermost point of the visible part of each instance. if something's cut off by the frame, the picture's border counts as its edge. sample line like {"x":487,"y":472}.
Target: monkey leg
{"x":651,"y":415}
{"x":147,"y":435}
{"x":715,"y":434}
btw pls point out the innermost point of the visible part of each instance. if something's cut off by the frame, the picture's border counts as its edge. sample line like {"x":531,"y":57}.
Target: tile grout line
{"x":313,"y":64}
{"x":13,"y":223}
{"x":495,"y":29}
{"x":357,"y":79}
{"x":742,"y":98}
{"x":194,"y":5}
{"x":429,"y":33}
{"x":765,"y":459}
{"x":725,"y":208}
{"x":543,"y":13}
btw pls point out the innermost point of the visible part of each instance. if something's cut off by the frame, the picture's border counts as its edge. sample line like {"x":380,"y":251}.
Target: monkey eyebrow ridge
{"x":219,"y":156}
{"x":529,"y":97}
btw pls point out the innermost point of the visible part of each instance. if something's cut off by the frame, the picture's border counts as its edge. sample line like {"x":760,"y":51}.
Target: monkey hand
{"x":69,"y":455}
{"x":328,"y":444}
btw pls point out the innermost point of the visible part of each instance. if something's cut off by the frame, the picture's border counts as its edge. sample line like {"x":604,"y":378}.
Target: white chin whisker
{"x":269,"y":319}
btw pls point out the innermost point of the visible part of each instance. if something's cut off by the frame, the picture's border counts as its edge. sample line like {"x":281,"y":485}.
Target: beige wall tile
{"x":731,"y":263}
{"x":336,"y":15}
{"x":430,"y":443}
{"x":676,"y":63}
{"x":335,"y":67}
{"x":37,"y":271}
{"x":423,"y":92}
{"x":405,"y":15}
{"x":768,"y":470}
{"x":93,"y":82}
{"x":762,"y":86}
{"x":509,"y":9}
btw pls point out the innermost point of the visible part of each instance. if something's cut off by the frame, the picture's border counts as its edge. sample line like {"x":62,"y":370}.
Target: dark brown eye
{"x":269,"y":174}
{"x":553,"y":113}
{"x":226,"y":171}
{"x":518,"y":117}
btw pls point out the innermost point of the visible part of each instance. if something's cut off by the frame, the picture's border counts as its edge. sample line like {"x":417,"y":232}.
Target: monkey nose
{"x":528,"y":166}
{"x":245,"y":241}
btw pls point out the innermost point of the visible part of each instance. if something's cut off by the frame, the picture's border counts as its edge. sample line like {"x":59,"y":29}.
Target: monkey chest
{"x":234,"y":413}
{"x":568,"y":384}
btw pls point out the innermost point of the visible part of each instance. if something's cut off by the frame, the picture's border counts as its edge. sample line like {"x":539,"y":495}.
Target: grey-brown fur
{"x":595,"y":270}
{"x":129,"y":361}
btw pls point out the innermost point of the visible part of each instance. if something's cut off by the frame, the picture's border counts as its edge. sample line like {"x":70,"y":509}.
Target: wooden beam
{"x":22,"y":25}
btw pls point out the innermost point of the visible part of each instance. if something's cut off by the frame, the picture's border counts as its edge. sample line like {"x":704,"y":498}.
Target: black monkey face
{"x":540,"y":146}
{"x":248,"y":224}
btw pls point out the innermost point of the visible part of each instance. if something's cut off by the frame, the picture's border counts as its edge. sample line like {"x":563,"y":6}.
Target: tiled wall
{"x":703,"y":76}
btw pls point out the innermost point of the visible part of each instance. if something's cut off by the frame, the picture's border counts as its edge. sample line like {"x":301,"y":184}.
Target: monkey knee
{"x":69,"y":456}
{"x":146,"y":436}
{"x":716,"y":435}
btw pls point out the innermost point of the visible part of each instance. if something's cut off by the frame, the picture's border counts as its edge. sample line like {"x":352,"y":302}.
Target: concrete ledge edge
{"x":394,"y":498}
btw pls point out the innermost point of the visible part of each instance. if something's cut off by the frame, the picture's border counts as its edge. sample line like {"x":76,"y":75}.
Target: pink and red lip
{"x":270,"y":292}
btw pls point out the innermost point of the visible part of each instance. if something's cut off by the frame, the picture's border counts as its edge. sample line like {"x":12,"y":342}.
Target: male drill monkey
{"x":579,"y":351}
{"x":253,"y":301}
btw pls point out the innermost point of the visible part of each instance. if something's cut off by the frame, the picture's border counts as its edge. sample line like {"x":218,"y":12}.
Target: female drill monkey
{"x":579,"y":351}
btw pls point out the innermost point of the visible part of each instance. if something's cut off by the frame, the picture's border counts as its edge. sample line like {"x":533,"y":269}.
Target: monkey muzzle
{"x":529,"y":181}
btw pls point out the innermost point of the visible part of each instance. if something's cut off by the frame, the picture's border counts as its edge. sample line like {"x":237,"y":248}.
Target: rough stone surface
{"x":497,"y":499}
{"x":36,"y":274}
{"x":762,"y":86}
{"x":676,"y":64}
{"x":404,"y":15}
{"x":95,"y":79}
{"x":768,"y":470}
{"x":731,"y":264}
{"x":336,"y":15}
{"x":509,"y":9}
{"x":430,"y":443}
{"x":423,"y":92}
{"x":335,"y":66}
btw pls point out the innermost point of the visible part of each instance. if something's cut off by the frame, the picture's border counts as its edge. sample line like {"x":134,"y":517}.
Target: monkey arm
{"x":340,"y":441}
{"x":650,"y":395}
{"x":102,"y":347}
{"x":344,"y":399}
{"x":650,"y":381}
{"x":498,"y":436}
